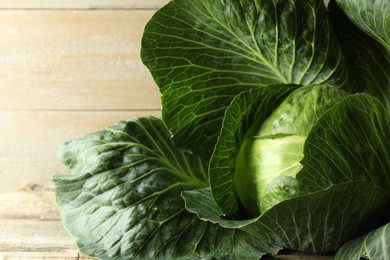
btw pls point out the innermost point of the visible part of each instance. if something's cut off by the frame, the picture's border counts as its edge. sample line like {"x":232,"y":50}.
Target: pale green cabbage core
{"x":261,"y":160}
{"x":270,"y":154}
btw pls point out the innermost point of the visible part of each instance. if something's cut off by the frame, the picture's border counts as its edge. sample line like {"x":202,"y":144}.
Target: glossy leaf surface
{"x":123,"y":197}
{"x":203,"y":53}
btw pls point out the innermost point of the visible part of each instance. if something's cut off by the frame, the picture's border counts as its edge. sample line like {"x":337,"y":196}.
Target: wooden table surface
{"x":67,"y":68}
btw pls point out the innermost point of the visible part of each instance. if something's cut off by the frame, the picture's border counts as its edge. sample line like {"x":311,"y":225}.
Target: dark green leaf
{"x":317,"y":223}
{"x":203,"y":53}
{"x":202,"y":204}
{"x":350,"y":142}
{"x":322,"y":221}
{"x":373,"y":17}
{"x":123,"y":197}
{"x":374,"y":245}
{"x":367,"y":61}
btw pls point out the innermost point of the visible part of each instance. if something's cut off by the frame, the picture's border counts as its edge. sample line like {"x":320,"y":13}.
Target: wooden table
{"x":67,"y":68}
{"x":30,"y":227}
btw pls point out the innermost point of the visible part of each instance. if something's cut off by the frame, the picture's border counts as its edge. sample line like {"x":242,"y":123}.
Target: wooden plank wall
{"x":67,"y":68}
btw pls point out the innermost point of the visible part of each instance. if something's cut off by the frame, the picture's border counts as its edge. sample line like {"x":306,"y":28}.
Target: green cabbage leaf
{"x":123,"y":198}
{"x":320,"y":222}
{"x":203,"y":53}
{"x":368,"y":60}
{"x":373,"y":17}
{"x":374,"y":245}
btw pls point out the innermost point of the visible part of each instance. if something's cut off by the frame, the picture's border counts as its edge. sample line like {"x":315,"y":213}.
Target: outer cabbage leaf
{"x":201,"y":203}
{"x":350,"y":142}
{"x":203,"y":53}
{"x":123,"y":197}
{"x":373,"y":17}
{"x":374,"y":245}
{"x":317,"y":223}
{"x":367,"y":61}
{"x":323,"y":221}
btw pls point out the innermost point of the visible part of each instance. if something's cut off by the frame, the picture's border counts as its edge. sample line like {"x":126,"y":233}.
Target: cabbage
{"x":274,"y":134}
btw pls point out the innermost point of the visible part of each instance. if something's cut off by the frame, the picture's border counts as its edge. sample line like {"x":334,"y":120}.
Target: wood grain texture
{"x":30,"y":227}
{"x":74,"y":60}
{"x":85,"y":4}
